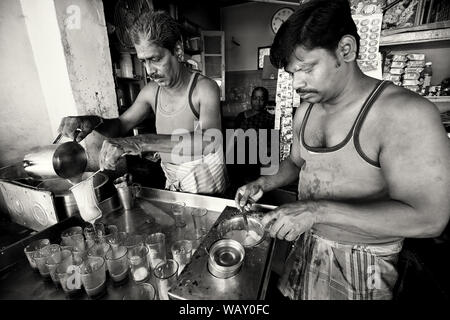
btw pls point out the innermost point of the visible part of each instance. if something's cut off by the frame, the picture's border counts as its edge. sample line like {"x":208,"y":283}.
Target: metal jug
{"x":66,"y":160}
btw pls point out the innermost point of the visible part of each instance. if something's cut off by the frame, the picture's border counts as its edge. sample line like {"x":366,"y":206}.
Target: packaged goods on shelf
{"x":394,"y":77}
{"x":412,"y":88}
{"x":398,"y":64}
{"x":397,"y":83}
{"x":416,"y":56}
{"x":414,"y":70}
{"x":397,"y":71}
{"x":415,"y":64}
{"x":411,"y":75}
{"x":411,"y":82}
{"x":399,"y":57}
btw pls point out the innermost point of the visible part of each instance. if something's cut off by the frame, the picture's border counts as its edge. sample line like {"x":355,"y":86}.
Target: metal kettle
{"x":65,"y":160}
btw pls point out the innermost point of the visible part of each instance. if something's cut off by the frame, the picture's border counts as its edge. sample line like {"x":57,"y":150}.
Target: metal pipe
{"x":279,"y":2}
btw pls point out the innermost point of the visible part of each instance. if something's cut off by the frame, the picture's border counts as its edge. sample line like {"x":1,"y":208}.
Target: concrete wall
{"x":24,"y":121}
{"x":249,"y":25}
{"x":49,"y":69}
{"x":89,"y":63}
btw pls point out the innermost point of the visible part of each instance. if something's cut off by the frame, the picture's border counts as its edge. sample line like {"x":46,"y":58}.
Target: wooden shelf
{"x":412,"y":35}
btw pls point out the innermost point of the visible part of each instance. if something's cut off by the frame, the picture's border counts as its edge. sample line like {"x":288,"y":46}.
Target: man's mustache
{"x":155,"y":76}
{"x":303,"y":91}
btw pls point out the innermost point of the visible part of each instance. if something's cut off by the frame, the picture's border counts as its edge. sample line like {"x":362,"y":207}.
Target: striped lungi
{"x":320,"y":269}
{"x":206,"y":175}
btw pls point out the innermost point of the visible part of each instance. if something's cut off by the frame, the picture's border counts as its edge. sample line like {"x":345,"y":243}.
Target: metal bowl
{"x":234,"y":228}
{"x":226,"y":257}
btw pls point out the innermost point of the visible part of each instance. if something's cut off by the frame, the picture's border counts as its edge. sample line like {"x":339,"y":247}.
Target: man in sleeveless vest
{"x":372,"y":158}
{"x":185,"y":104}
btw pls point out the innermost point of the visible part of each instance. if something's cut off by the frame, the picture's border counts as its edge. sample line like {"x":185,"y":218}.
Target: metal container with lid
{"x":226,"y":257}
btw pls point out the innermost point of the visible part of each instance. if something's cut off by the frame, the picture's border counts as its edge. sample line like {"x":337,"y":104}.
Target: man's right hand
{"x":83,"y":125}
{"x":248,"y":194}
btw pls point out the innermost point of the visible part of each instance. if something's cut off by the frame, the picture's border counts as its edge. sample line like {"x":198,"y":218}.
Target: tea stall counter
{"x":20,"y":282}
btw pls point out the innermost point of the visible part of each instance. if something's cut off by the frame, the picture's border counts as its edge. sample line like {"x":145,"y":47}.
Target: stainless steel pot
{"x":65,"y":201}
{"x":226,"y":257}
{"x":234,"y":228}
{"x":65,"y":160}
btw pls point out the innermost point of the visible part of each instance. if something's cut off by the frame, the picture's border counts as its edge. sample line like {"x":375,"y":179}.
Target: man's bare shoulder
{"x":150,"y":89}
{"x":400,"y":106}
{"x":147,"y":95}
{"x":206,"y":92}
{"x":205,"y":84}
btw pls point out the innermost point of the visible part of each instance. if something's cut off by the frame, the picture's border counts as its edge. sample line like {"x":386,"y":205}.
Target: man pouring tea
{"x":185,"y":104}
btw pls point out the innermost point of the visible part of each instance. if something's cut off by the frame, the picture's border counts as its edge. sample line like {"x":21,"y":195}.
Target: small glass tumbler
{"x":34,"y":247}
{"x":133,"y":240}
{"x":77,"y":252}
{"x":156,"y":244}
{"x":93,"y":276}
{"x":68,"y":273}
{"x":182,"y":253}
{"x":66,"y":235}
{"x":99,"y":249}
{"x":99,"y":229}
{"x":117,"y":239}
{"x":53,"y":261}
{"x":110,"y":233}
{"x":117,"y":262}
{"x":178,"y":209}
{"x":41,"y":257}
{"x":199,"y":217}
{"x":90,"y":235}
{"x":138,"y":262}
{"x":78,"y":242}
{"x":142,"y":291}
{"x":166,"y":274}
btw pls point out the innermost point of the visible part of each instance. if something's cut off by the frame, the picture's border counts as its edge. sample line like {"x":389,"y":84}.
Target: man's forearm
{"x":188,"y":144}
{"x":380,"y":218}
{"x":110,"y":128}
{"x":287,"y":173}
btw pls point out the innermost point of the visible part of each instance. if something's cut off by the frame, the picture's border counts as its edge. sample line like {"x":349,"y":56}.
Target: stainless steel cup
{"x":127,"y":194}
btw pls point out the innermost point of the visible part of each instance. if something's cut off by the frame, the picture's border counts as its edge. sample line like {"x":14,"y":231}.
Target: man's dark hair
{"x":316,"y":24}
{"x":156,"y":27}
{"x":264,"y":91}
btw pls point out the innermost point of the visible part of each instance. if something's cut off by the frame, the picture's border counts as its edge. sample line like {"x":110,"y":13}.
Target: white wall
{"x":24,"y":121}
{"x":49,"y":58}
{"x":249,"y":25}
{"x":49,"y":70}
{"x":89,"y":64}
